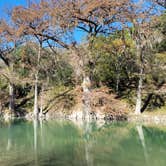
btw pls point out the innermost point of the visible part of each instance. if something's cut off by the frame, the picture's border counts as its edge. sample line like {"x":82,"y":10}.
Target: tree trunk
{"x":117,"y":66}
{"x":147,"y":102}
{"x":86,"y":97}
{"x":86,"y":84}
{"x":139,"y":94}
{"x":36,"y":97}
{"x":36,"y":111}
{"x":41,"y":101}
{"x":139,"y":90}
{"x":117,"y":83}
{"x":11,"y":97}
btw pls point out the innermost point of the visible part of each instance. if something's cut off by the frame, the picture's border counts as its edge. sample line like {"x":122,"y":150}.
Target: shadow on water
{"x":81,"y":143}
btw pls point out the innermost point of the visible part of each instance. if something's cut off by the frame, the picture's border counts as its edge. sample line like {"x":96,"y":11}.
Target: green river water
{"x":66,"y":143}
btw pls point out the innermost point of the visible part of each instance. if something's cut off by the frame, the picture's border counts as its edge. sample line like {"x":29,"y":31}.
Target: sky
{"x":9,"y":4}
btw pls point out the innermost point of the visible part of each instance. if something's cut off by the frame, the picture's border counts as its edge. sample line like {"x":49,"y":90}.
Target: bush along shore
{"x":103,"y":105}
{"x":71,"y":104}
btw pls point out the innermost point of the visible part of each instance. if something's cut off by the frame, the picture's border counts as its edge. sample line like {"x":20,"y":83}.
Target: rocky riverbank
{"x":145,"y":118}
{"x":77,"y":115}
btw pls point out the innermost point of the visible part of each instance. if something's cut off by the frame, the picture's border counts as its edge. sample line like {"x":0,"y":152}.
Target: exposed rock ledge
{"x":143,"y":118}
{"x":78,"y":115}
{"x":157,"y":119}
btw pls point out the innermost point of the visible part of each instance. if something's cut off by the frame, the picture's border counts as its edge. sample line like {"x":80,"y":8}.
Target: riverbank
{"x":129,"y":117}
{"x":104,"y":105}
{"x":147,"y":118}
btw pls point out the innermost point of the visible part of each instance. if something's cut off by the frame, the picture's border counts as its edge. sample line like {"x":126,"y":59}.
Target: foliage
{"x":122,"y":38}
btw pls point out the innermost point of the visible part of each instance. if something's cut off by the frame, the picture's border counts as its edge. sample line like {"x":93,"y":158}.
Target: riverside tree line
{"x":123,"y":47}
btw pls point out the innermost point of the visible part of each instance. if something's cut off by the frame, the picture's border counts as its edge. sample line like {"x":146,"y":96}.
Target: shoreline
{"x":145,"y":118}
{"x":131,"y":117}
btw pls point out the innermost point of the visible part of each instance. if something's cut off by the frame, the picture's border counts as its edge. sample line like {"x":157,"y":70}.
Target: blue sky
{"x":9,"y":4}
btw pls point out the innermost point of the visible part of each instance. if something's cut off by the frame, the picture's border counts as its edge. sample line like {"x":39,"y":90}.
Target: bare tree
{"x":32,"y":23}
{"x":92,"y":17}
{"x":9,"y":42}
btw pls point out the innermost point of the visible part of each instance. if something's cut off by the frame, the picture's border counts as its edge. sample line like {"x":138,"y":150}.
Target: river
{"x":67,"y":143}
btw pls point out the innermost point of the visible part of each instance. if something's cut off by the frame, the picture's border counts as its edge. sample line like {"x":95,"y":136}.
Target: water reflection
{"x":88,"y":143}
{"x":9,"y":140}
{"x":142,"y":139}
{"x":42,"y":132}
{"x":42,"y":143}
{"x":35,"y":130}
{"x":35,"y":126}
